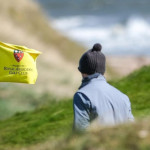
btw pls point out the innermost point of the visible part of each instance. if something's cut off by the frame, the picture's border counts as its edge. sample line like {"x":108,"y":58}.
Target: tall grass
{"x":47,"y":122}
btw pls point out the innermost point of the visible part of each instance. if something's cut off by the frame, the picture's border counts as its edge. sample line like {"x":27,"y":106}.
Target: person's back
{"x":96,"y":99}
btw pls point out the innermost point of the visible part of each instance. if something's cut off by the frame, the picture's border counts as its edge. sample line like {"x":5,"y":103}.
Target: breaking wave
{"x":130,"y":36}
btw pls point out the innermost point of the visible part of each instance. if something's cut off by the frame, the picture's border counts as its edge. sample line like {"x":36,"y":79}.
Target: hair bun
{"x":97,"y":47}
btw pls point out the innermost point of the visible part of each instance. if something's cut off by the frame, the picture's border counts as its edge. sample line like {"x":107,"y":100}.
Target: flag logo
{"x":18,"y":55}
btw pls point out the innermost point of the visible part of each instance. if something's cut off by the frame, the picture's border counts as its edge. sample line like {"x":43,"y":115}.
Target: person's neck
{"x":86,"y":80}
{"x":89,"y":75}
{"x":84,"y":75}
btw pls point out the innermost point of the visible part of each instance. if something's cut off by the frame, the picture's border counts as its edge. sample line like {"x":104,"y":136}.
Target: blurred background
{"x":123,"y":27}
{"x":63,"y":30}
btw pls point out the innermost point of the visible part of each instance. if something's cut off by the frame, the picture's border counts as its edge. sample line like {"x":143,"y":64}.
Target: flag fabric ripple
{"x":18,"y":64}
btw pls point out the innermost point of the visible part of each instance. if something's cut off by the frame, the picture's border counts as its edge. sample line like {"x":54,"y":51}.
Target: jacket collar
{"x":87,"y":79}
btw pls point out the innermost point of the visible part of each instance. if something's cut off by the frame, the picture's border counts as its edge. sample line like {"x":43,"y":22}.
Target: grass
{"x":35,"y":126}
{"x":137,"y":87}
{"x":54,"y":119}
{"x":15,"y":99}
{"x":124,"y":137}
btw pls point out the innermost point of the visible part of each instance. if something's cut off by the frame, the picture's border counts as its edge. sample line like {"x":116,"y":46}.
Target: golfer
{"x":96,"y":99}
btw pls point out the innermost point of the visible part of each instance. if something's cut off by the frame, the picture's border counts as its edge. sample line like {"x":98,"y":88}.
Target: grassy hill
{"x":47,"y":122}
{"x":137,"y":87}
{"x":50,"y":125}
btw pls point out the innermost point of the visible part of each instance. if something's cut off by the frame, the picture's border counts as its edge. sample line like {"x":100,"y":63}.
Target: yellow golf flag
{"x":17,"y":64}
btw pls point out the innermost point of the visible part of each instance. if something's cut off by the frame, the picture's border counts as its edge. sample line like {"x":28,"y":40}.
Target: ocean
{"x":122,"y":27}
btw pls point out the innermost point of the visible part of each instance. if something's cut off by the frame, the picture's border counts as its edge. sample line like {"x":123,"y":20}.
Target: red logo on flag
{"x":18,"y":55}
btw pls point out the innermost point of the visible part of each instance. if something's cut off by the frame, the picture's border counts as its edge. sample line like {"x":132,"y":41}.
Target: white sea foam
{"x":132,"y":37}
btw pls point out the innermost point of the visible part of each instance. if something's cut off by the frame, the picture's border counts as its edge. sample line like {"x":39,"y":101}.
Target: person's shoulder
{"x":80,"y":95}
{"x":77,"y":95}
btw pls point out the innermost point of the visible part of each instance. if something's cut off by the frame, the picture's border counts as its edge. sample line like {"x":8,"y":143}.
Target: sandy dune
{"x":124,"y":65}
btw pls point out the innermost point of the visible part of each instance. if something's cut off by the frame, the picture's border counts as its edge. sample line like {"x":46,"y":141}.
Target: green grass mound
{"x":55,"y":120}
{"x":46,"y":122}
{"x":137,"y":87}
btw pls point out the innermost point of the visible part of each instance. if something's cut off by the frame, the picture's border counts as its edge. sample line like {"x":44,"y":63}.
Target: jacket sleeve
{"x":81,"y":107}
